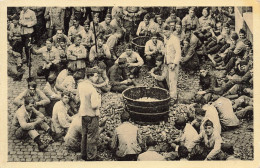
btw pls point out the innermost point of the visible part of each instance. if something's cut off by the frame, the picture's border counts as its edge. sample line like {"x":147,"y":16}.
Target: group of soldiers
{"x":81,"y":62}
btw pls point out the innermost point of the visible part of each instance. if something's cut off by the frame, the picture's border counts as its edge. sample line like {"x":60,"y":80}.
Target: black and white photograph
{"x":130,"y":83}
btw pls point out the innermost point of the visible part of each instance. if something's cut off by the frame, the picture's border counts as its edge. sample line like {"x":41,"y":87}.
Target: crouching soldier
{"x":25,"y":125}
{"x":159,"y":73}
{"x":119,"y":79}
{"x":211,"y":147}
{"x":126,"y":140}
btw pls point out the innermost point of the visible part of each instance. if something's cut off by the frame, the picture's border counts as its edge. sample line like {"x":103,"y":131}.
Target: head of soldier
{"x":108,"y":19}
{"x":186,"y":42}
{"x":154,"y":37}
{"x":122,"y":63}
{"x":25,"y":8}
{"x":159,"y":20}
{"x":191,"y":12}
{"x":234,"y":37}
{"x":230,"y":9}
{"x":203,"y":72}
{"x":208,"y":126}
{"x":242,"y":34}
{"x":173,"y":15}
{"x":243,"y":66}
{"x":96,"y":20}
{"x":205,"y":12}
{"x":167,"y":31}
{"x":92,"y":74}
{"x":29,"y":103}
{"x":49,"y":44}
{"x":65,"y":97}
{"x":86,"y":25}
{"x":172,"y":25}
{"x":100,"y":41}
{"x":76,"y":23}
{"x":219,"y":26}
{"x":15,"y":20}
{"x":59,"y":33}
{"x":77,"y":40}
{"x":32,"y":85}
{"x":129,"y":49}
{"x":226,"y":27}
{"x":180,"y":123}
{"x":178,"y":27}
{"x":159,"y":60}
{"x":63,"y":43}
{"x":146,"y":19}
{"x":187,"y":33}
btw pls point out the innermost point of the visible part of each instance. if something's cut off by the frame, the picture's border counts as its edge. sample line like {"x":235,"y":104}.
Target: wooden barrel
{"x":150,"y":111}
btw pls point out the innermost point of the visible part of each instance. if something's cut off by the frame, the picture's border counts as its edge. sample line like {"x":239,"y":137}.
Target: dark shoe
{"x":41,"y":146}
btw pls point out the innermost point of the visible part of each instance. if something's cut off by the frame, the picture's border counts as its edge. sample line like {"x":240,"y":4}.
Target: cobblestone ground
{"x":27,"y":151}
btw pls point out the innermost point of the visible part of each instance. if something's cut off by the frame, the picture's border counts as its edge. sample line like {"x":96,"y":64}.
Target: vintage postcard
{"x":114,"y":83}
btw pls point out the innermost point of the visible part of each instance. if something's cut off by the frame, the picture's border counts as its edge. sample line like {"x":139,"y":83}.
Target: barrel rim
{"x":132,"y":41}
{"x":162,"y":100}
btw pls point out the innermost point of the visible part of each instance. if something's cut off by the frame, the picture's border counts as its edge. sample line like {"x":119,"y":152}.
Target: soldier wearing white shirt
{"x":90,"y":102}
{"x":27,"y":21}
{"x":77,"y":54}
{"x":51,"y":58}
{"x":172,"y":59}
{"x":60,"y":118}
{"x":150,"y":154}
{"x":153,"y":48}
{"x":133,"y":60}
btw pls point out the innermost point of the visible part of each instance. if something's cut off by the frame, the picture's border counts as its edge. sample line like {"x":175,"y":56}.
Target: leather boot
{"x":41,"y":146}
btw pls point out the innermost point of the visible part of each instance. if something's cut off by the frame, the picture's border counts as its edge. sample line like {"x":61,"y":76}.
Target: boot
{"x":53,"y":135}
{"x":41,"y":146}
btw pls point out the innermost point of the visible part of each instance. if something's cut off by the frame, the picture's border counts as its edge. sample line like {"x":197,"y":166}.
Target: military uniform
{"x":77,"y":56}
{"x":27,"y":21}
{"x":54,"y":17}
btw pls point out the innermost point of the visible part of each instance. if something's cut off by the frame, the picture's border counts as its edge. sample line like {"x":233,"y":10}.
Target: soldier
{"x":54,"y":17}
{"x":77,"y":54}
{"x":101,"y":53}
{"x":190,"y":20}
{"x":153,"y":48}
{"x":131,"y":19}
{"x":57,"y":38}
{"x":159,"y":73}
{"x":105,"y":25}
{"x":119,"y":79}
{"x":143,"y":28}
{"x":23,"y":121}
{"x":51,"y":58}
{"x":15,"y":36}
{"x":89,"y":112}
{"x":75,"y":29}
{"x":134,"y":61}
{"x":15,"y":69}
{"x":39,"y":12}
{"x":27,"y":21}
{"x":87,"y":35}
{"x":40,"y":99}
{"x":172,"y":60}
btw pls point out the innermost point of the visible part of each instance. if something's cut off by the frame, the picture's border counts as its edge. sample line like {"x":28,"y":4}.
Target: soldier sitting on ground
{"x":126,"y":140}
{"x":60,"y":118}
{"x":26,"y":125}
{"x":150,"y":154}
{"x":119,"y":79}
{"x":133,"y":60}
{"x":159,"y":73}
